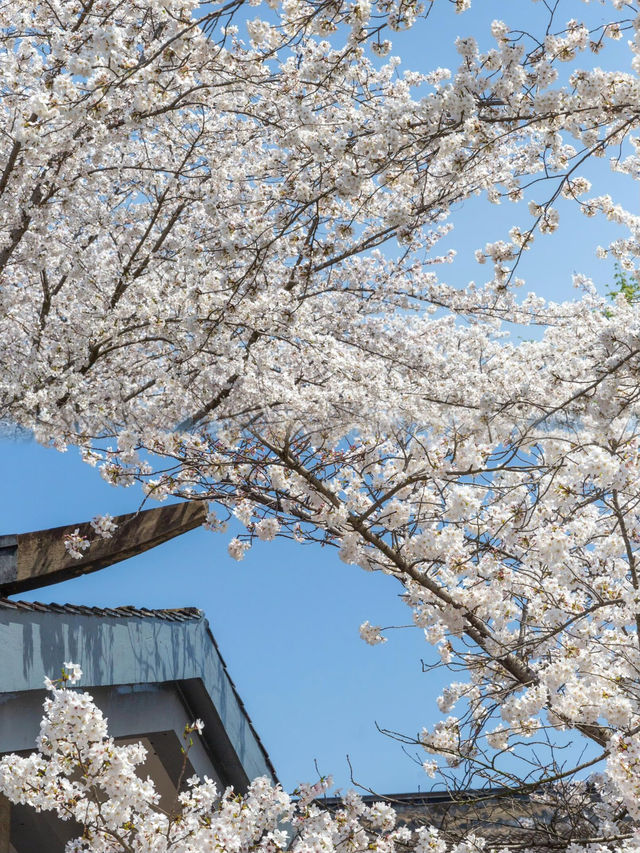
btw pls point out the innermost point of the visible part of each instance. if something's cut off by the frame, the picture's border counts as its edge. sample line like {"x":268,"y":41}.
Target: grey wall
{"x":134,"y":711}
{"x":131,"y":651}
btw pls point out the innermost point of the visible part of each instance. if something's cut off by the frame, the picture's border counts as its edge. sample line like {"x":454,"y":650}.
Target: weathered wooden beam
{"x":5,"y":824}
{"x":31,"y":560}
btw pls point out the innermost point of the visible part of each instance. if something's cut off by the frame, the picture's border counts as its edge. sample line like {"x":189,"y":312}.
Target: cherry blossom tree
{"x":219,"y":278}
{"x":82,"y":775}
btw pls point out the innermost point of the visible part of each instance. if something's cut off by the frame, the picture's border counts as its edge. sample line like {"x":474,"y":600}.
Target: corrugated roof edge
{"x":177,"y":614}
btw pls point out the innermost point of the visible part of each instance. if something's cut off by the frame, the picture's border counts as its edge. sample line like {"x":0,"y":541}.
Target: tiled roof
{"x":464,"y":796}
{"x":175,"y":614}
{"x":503,"y":818}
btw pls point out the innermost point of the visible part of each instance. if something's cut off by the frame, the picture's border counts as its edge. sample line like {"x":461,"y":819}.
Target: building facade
{"x":151,"y":672}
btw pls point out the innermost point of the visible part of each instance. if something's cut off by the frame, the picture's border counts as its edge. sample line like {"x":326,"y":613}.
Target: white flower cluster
{"x":75,"y":544}
{"x":267,"y":529}
{"x":79,"y":772}
{"x":104,"y":526}
{"x":444,"y":739}
{"x":371,"y":634}
{"x":237,"y":549}
{"x":72,"y":672}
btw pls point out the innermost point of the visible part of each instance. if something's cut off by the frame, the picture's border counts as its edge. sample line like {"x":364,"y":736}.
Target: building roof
{"x":133,"y":646}
{"x":503,"y":817}
{"x":174,"y":614}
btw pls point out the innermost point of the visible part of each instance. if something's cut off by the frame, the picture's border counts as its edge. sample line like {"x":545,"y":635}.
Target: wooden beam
{"x":31,"y":560}
{"x":5,"y":824}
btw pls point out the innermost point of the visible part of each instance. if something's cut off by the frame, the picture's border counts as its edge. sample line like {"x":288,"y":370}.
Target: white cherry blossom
{"x":221,"y":278}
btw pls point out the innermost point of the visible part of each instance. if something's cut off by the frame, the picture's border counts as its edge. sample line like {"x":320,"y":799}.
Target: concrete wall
{"x":119,"y":651}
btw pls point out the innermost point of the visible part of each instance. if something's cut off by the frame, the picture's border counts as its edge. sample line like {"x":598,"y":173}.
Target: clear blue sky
{"x":287,"y":617}
{"x":286,"y":620}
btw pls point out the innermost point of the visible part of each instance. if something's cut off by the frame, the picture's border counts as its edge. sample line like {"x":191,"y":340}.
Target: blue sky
{"x":286,"y":620}
{"x":287,"y":617}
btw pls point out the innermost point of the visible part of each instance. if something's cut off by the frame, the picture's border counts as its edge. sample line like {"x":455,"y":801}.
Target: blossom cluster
{"x":104,"y":526}
{"x":75,"y":544}
{"x":81,"y":774}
